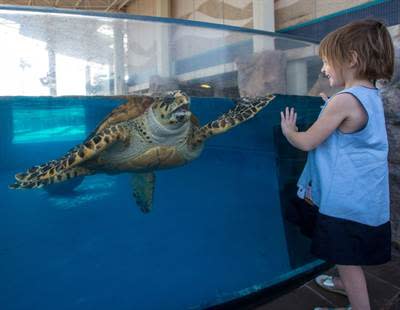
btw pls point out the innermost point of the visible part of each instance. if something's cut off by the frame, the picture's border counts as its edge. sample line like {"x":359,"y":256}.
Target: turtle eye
{"x":169,"y":99}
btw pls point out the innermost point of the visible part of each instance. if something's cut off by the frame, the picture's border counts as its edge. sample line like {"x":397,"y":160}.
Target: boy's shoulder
{"x":343,"y":100}
{"x":346,"y":105}
{"x":358,"y":91}
{"x":351,"y":109}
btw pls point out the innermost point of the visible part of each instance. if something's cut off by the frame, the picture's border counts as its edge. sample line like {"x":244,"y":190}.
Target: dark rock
{"x":262,"y":73}
{"x":160,"y":84}
{"x":322,"y":86}
{"x":391,"y":101}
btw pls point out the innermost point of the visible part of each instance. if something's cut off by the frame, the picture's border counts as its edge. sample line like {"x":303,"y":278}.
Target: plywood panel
{"x":324,"y":7}
{"x":229,"y":12}
{"x":182,"y":9}
{"x":142,"y":7}
{"x":238,"y":13}
{"x":209,"y":11}
{"x":292,"y":12}
{"x":101,"y":5}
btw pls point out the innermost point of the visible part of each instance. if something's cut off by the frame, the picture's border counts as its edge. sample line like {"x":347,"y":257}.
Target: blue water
{"x":216,"y":230}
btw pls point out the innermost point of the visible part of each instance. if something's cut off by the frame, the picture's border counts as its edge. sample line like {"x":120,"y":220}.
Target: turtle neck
{"x":162,"y":134}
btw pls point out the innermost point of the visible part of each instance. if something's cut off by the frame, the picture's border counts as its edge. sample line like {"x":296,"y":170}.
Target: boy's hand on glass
{"x":288,"y":121}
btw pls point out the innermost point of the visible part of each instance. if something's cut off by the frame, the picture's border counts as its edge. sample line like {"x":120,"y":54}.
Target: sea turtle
{"x":144,"y":134}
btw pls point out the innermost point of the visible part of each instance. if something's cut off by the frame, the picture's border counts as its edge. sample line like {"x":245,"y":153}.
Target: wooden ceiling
{"x":99,"y":5}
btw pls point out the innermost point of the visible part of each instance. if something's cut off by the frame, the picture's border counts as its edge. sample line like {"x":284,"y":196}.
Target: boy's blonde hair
{"x":369,"y":40}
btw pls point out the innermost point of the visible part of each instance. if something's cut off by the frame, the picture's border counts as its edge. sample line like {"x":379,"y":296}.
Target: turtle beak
{"x":182,"y":113}
{"x":181,"y":116}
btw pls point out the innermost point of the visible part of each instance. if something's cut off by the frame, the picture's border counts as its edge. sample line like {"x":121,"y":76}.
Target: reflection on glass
{"x":106,"y":56}
{"x":48,"y":125}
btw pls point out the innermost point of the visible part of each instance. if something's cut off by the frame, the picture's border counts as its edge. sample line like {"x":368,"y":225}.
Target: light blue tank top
{"x":348,"y":173}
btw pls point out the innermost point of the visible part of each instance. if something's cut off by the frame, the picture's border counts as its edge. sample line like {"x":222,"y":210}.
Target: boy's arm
{"x":330,"y":119}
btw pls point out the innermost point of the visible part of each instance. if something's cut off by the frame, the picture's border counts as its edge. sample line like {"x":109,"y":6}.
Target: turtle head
{"x":172,"y":109}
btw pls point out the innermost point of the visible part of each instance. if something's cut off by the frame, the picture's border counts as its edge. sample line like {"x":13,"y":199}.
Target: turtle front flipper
{"x":39,"y":183}
{"x":245,"y":108}
{"x":67,"y":167}
{"x":143,"y":189}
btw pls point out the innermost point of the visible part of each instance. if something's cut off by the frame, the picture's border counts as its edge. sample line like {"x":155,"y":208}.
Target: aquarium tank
{"x":218,"y":229}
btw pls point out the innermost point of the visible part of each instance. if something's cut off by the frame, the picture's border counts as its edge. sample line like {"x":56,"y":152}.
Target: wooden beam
{"x":123,"y":4}
{"x":111,"y":5}
{"x":56,"y":2}
{"x":30,"y":2}
{"x":78,"y":3}
{"x":163,"y":8}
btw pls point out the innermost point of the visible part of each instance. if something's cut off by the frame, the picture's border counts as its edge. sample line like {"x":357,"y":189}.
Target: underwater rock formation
{"x":262,"y":73}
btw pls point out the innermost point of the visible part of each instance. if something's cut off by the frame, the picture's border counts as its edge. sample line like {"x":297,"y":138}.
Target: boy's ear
{"x":353,"y":59}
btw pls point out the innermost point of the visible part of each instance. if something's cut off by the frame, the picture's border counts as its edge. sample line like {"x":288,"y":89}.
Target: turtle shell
{"x":134,"y":107}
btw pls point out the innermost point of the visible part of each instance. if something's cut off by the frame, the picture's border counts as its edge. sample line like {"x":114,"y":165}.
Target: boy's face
{"x":334,"y":76}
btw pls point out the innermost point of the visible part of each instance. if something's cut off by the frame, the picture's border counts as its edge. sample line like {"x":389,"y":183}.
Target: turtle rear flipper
{"x":62,"y":169}
{"x":143,"y":189}
{"x":244,"y":109}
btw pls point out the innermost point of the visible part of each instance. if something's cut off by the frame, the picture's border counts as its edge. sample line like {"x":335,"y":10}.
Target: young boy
{"x":345,"y":178}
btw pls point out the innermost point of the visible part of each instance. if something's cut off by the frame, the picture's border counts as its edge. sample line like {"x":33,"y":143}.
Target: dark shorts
{"x":341,"y":241}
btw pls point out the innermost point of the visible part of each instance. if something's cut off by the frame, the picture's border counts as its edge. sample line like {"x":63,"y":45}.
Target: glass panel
{"x":103,"y":55}
{"x":217,"y":230}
